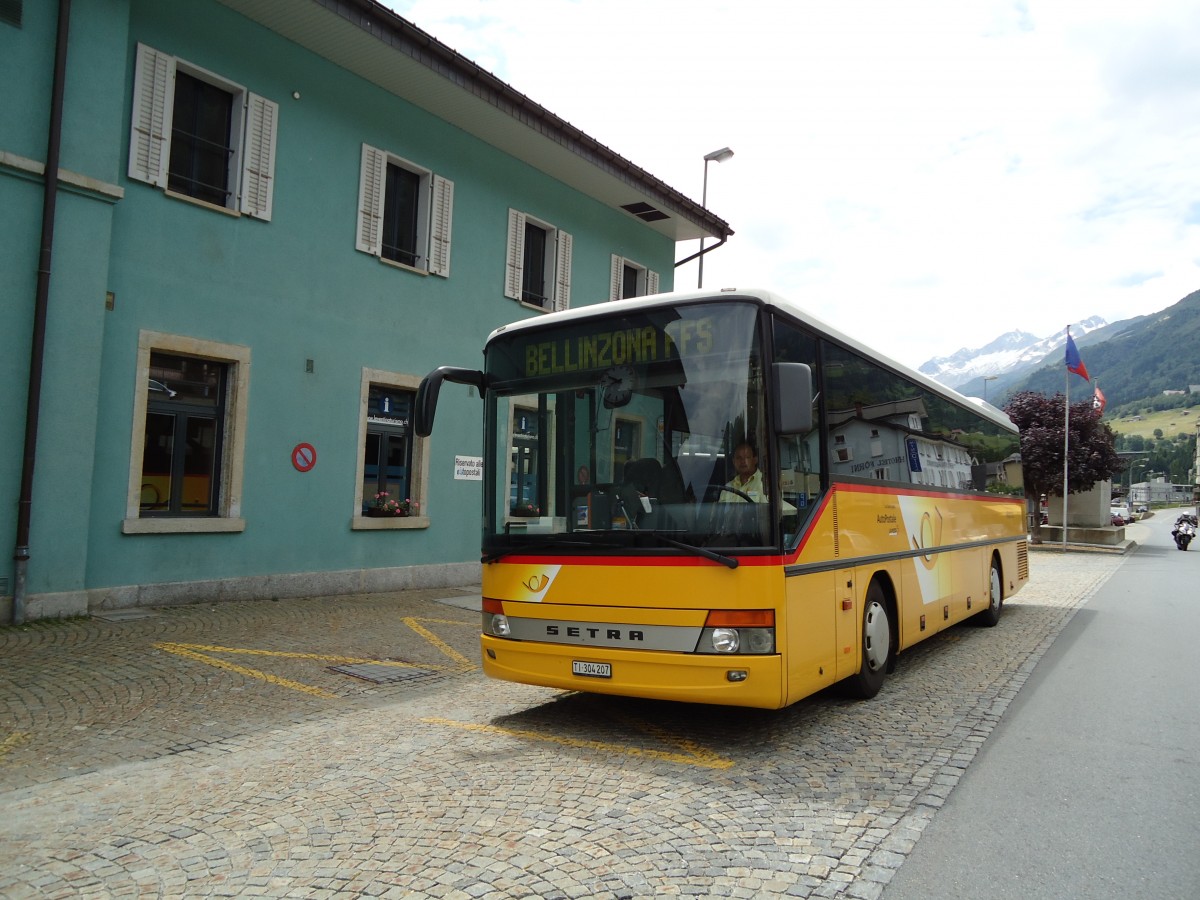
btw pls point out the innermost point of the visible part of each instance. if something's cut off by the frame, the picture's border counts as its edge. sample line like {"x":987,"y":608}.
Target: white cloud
{"x":923,"y":175}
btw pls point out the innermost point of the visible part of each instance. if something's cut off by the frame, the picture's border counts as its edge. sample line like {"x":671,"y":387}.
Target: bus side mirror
{"x":431,"y":386}
{"x":793,"y":394}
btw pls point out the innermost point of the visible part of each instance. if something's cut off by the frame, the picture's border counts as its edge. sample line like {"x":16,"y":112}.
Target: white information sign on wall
{"x":468,"y":468}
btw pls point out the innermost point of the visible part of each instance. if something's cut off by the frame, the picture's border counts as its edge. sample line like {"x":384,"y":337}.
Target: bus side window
{"x":799,"y":480}
{"x":799,"y":455}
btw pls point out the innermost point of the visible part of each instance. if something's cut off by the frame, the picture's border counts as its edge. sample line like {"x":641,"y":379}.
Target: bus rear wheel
{"x":989,"y":617}
{"x":876,"y":646}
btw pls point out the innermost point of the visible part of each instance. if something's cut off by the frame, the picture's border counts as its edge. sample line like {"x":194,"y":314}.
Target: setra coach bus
{"x":714,"y":497}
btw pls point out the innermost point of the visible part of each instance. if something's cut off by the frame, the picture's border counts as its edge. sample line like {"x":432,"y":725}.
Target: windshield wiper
{"x":699,"y":551}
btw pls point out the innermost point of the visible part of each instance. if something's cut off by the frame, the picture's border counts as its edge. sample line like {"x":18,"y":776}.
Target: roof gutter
{"x":37,"y":351}
{"x":702,"y":252}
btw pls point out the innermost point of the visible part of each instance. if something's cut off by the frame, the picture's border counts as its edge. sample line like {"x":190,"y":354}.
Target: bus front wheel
{"x":876,"y":646}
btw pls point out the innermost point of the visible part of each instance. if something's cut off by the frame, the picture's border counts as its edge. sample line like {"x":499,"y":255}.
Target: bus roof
{"x":773,"y":301}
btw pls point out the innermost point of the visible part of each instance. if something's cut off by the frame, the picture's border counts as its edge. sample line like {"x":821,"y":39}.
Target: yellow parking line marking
{"x":199,"y":653}
{"x":184,"y":651}
{"x":438,"y":642}
{"x":695,"y":757}
{"x":691,"y":748}
{"x":12,"y":742}
{"x":289,"y":654}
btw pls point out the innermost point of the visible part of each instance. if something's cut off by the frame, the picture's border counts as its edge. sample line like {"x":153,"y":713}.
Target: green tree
{"x":1092,"y":456}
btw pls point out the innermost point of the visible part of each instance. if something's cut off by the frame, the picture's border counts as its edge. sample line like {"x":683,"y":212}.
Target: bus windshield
{"x":623,"y":431}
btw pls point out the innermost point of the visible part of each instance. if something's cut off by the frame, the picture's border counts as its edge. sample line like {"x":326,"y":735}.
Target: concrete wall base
{"x":256,"y":587}
{"x":1107,"y":536}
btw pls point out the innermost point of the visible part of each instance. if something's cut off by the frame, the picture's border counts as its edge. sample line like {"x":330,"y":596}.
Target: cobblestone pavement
{"x":214,"y":750}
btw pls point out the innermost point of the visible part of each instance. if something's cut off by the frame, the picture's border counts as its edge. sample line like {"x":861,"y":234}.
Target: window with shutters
{"x":189,"y":424}
{"x":537,"y":263}
{"x":404,"y":213}
{"x":630,"y":279}
{"x":392,"y":458}
{"x":200,"y":136}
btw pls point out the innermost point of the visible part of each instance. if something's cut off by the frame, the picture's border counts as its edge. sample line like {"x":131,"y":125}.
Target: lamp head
{"x":718,"y":155}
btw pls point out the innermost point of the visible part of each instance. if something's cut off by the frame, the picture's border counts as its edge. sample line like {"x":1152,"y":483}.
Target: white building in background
{"x":1161,"y":491}
{"x":885,"y":441}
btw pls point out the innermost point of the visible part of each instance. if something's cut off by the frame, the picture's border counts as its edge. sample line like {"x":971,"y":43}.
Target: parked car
{"x":1118,"y":519}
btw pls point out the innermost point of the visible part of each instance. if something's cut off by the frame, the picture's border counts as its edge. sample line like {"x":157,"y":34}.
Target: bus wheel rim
{"x":997,"y":590}
{"x":876,"y":637}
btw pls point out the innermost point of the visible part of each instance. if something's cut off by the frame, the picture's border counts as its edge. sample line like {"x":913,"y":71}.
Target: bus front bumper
{"x":684,"y":677}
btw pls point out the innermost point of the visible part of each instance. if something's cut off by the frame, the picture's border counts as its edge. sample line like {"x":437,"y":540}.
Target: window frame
{"x":253,"y":125}
{"x":556,"y":262}
{"x":419,"y":476}
{"x":647,"y":279}
{"x":434,"y":213}
{"x":232,"y":438}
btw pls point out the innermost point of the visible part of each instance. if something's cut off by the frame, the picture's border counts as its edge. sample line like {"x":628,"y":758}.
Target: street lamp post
{"x":986,"y":379}
{"x":716,"y":156}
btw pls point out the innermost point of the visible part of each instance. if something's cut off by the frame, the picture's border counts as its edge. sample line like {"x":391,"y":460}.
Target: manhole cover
{"x":122,"y":615}
{"x":381,"y":673}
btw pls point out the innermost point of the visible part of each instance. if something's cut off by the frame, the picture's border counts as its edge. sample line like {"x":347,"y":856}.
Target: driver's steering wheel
{"x":733,"y":490}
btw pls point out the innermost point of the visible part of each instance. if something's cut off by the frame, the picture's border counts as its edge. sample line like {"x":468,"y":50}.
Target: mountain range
{"x":1132,"y":359}
{"x":1011,"y":351}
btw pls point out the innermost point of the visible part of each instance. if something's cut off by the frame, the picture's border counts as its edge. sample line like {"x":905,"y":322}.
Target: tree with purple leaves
{"x":1092,"y":455}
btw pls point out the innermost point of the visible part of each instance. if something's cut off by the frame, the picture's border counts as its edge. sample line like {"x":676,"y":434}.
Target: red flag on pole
{"x":1098,"y":401}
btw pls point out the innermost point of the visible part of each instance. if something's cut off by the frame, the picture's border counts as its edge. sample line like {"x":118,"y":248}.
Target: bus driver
{"x":747,"y":479}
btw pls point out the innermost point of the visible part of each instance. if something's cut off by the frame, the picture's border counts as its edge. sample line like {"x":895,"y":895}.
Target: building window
{"x":537,"y":263}
{"x":200,"y":136}
{"x":629,"y":279}
{"x":387,"y":453}
{"x":187,"y":449}
{"x":181,"y":456}
{"x":404,"y":213}
{"x":391,"y":457}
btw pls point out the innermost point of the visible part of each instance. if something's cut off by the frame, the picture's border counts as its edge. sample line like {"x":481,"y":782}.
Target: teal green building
{"x":235,"y":235}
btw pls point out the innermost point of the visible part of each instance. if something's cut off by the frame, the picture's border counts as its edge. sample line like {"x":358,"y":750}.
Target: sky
{"x":924,"y":176}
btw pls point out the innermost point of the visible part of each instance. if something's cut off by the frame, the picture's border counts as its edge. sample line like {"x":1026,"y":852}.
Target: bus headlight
{"x":742,"y":641}
{"x":726,"y":640}
{"x":758,"y":640}
{"x":499,"y":626}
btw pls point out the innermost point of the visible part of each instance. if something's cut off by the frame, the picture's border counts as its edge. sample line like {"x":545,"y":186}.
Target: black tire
{"x":990,"y":617}
{"x":876,"y":646}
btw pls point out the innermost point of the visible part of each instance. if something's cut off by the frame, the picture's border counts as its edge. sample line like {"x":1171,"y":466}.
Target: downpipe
{"x":37,"y":352}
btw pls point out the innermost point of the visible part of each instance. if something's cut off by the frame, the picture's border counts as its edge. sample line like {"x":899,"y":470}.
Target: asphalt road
{"x":1090,"y":784}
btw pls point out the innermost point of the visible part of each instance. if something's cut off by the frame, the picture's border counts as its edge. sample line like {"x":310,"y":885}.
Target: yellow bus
{"x":716,"y":498}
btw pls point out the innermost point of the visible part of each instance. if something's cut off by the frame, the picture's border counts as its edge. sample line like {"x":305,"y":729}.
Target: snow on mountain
{"x":1007,"y":353}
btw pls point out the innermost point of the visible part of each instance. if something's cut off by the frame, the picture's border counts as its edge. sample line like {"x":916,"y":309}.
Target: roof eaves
{"x":405,"y":37}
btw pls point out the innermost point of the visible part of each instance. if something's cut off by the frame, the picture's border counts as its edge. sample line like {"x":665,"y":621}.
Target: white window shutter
{"x":371,"y":182}
{"x":439,"y":233}
{"x":562,"y":272}
{"x":614,"y":286}
{"x":258,"y":160}
{"x":651,"y":282}
{"x":153,"y":101}
{"x":514,"y":256}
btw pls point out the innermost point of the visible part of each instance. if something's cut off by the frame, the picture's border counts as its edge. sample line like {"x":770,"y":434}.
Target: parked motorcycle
{"x":1184,"y":531}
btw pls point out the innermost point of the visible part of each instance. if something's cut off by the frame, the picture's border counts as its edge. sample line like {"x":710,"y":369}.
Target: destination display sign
{"x":601,"y":346}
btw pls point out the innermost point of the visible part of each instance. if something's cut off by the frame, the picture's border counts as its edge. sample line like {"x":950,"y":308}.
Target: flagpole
{"x":1066,"y":443}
